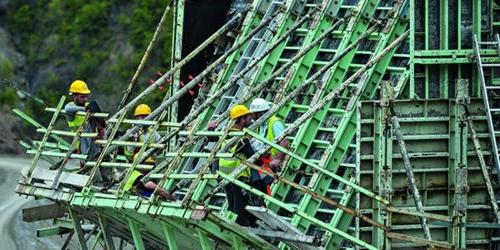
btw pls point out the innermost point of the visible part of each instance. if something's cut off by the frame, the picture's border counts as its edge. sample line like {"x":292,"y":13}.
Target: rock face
{"x":10,"y":127}
{"x":11,"y":62}
{"x":12,"y":67}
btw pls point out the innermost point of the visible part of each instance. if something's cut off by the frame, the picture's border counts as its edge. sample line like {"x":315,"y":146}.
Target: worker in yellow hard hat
{"x":80,"y":92}
{"x":242,"y":150}
{"x":141,"y":135}
{"x":135,"y":185}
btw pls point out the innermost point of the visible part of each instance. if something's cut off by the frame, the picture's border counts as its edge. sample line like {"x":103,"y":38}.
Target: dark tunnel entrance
{"x":201,"y":19}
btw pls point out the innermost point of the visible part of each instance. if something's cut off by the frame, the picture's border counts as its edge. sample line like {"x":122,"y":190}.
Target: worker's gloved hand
{"x":275,"y":165}
{"x":93,"y":107}
{"x":212,"y":125}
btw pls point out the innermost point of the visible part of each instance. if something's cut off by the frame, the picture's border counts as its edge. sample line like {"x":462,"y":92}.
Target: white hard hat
{"x":259,"y":105}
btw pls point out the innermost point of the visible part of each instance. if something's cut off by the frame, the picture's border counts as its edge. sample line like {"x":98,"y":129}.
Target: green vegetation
{"x":8,"y":96}
{"x":6,"y":67}
{"x":99,"y":41}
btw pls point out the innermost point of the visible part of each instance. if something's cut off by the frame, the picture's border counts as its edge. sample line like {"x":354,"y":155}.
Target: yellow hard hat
{"x":148,"y":160}
{"x":79,"y":87}
{"x":142,"y":109}
{"x":238,"y":111}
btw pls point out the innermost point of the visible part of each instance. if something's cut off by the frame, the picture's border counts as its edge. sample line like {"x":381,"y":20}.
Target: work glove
{"x":93,"y":107}
{"x":212,"y":125}
{"x":275,"y":165}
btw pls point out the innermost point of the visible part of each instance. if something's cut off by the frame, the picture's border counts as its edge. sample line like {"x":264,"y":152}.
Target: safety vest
{"x":227,"y":165}
{"x":131,"y":179}
{"x":270,"y":133}
{"x":129,"y":153}
{"x":75,"y":123}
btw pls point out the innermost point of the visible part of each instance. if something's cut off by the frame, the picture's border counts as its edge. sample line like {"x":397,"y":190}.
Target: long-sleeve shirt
{"x":87,"y":146}
{"x":141,"y":136}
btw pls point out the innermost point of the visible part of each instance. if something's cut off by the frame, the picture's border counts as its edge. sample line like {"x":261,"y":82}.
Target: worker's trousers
{"x":237,"y":202}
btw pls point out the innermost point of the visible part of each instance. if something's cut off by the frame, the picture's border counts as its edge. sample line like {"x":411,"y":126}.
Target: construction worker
{"x":80,"y":93}
{"x":134,"y":184}
{"x":141,"y":112}
{"x":235,"y":195}
{"x":270,"y":129}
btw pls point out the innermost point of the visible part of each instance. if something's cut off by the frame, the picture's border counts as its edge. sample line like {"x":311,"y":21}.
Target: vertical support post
{"x":178,"y":27}
{"x":78,"y":229}
{"x":411,"y":88}
{"x":476,"y":18}
{"x":108,"y":239}
{"x":426,"y":47}
{"x":170,"y":236}
{"x":136,"y":234}
{"x":457,"y":177}
{"x":459,"y":29}
{"x":204,"y":241}
{"x":443,"y":38}
{"x":358,"y":173}
{"x":476,"y":26}
{"x":382,"y":168}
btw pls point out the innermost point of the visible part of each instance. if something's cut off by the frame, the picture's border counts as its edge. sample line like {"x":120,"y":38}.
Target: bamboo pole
{"x":332,"y":95}
{"x":145,"y":57}
{"x":178,"y":66}
{"x":177,"y":95}
{"x":248,"y":95}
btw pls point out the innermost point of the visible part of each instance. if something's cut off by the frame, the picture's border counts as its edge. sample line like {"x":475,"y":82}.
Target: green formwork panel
{"x":336,"y":141}
{"x":441,"y":44}
{"x":426,"y":128}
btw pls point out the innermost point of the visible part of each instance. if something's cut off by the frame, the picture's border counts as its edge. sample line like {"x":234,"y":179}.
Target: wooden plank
{"x":76,"y":180}
{"x":44,"y":212}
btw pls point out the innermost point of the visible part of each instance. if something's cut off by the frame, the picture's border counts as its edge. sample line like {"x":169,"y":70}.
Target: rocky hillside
{"x":46,"y":44}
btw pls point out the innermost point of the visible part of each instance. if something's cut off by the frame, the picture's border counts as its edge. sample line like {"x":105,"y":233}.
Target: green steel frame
{"x":446,"y":169}
{"x":344,"y":183}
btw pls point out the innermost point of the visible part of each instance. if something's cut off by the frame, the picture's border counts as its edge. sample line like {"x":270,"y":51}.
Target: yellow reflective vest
{"x":131,"y":179}
{"x":227,"y":165}
{"x":270,"y":133}
{"x":75,"y":123}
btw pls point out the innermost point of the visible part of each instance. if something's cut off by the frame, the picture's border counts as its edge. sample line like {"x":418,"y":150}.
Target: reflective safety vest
{"x":75,"y":123}
{"x":227,"y":165}
{"x":270,"y":133}
{"x":139,"y":134}
{"x":131,"y":179}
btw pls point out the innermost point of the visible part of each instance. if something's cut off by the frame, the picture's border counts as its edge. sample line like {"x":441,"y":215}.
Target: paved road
{"x":14,"y":233}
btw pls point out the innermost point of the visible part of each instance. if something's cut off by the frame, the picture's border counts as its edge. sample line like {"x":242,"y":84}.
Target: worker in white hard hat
{"x":270,"y":129}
